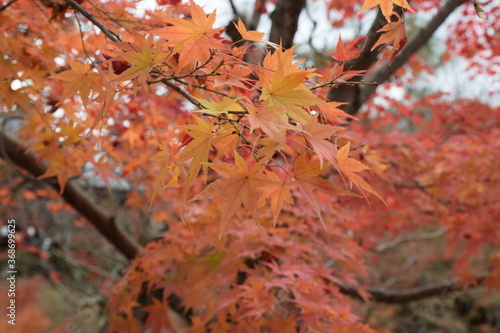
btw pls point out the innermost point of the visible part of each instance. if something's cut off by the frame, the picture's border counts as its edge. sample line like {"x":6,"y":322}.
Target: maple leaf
{"x":253,"y":36}
{"x":197,"y":150}
{"x":278,"y":193}
{"x":349,"y":51}
{"x":142,"y":62}
{"x":332,"y":113}
{"x":307,"y":176}
{"x":394,"y":34}
{"x":348,"y":166}
{"x":386,"y":6}
{"x":271,"y":119}
{"x":192,"y":40}
{"x":316,"y":135}
{"x":281,"y":59}
{"x":65,"y":163}
{"x":71,"y":132}
{"x":239,"y":186}
{"x":158,"y":315}
{"x":286,"y":90}
{"x":80,"y":79}
{"x":215,"y":107}
{"x":167,"y":172}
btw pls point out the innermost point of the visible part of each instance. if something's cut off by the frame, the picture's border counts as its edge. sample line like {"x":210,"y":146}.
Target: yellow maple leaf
{"x":287,"y":90}
{"x":142,"y":62}
{"x":216,"y":107}
{"x":253,"y":36}
{"x":197,"y":150}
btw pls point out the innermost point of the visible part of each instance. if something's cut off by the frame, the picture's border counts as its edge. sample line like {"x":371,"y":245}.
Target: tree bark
{"x":73,"y":194}
{"x":422,"y":37}
{"x":285,"y":18}
{"x":356,"y":96}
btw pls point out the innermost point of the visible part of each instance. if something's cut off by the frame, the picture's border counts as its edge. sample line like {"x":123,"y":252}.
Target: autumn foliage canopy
{"x":280,"y":178}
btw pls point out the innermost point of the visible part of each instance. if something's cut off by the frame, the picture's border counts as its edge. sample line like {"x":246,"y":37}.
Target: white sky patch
{"x":453,"y":77}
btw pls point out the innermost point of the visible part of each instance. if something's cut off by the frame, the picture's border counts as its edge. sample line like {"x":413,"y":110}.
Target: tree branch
{"x":348,"y":93}
{"x":108,"y":33}
{"x":4,"y":7}
{"x":73,"y":195}
{"x":285,"y":19}
{"x":407,"y":295}
{"x":384,"y":73}
{"x":408,"y":238}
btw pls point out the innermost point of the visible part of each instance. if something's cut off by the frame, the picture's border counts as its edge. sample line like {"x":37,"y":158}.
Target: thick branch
{"x":384,"y":73}
{"x":348,"y":93}
{"x":73,"y":195}
{"x":285,"y":18}
{"x":4,"y":7}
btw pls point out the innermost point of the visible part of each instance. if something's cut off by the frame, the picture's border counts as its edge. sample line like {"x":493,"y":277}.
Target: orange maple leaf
{"x":253,"y":36}
{"x":158,"y":316}
{"x":65,"y":163}
{"x":281,"y":59}
{"x":307,"y":176}
{"x":197,"y":150}
{"x":348,"y":166}
{"x":386,"y":6}
{"x":168,"y":176}
{"x":349,"y":51}
{"x":141,"y":64}
{"x":239,"y":186}
{"x":278,"y":193}
{"x":316,"y":135}
{"x":271,"y":119}
{"x":192,"y":40}
{"x":332,"y":113}
{"x":394,"y":34}
{"x":80,"y":79}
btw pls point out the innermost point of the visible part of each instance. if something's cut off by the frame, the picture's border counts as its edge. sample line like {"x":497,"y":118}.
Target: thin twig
{"x":108,"y":33}
{"x":356,"y":83}
{"x":407,"y":238}
{"x":233,"y":8}
{"x":183,"y":93}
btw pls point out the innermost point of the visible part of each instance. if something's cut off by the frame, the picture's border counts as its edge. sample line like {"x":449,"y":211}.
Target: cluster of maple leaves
{"x":175,"y":109}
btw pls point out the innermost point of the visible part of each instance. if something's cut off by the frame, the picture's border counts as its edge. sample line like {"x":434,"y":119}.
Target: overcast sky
{"x":453,"y":77}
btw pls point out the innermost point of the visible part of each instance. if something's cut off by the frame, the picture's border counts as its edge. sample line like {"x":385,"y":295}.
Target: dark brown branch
{"x":4,"y":7}
{"x":234,"y":9}
{"x":384,"y":73}
{"x":108,"y":33}
{"x":347,"y":93}
{"x":13,"y":152}
{"x":412,"y":47}
{"x":408,"y":295}
{"x":73,"y":195}
{"x":182,"y":93}
{"x":285,"y":18}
